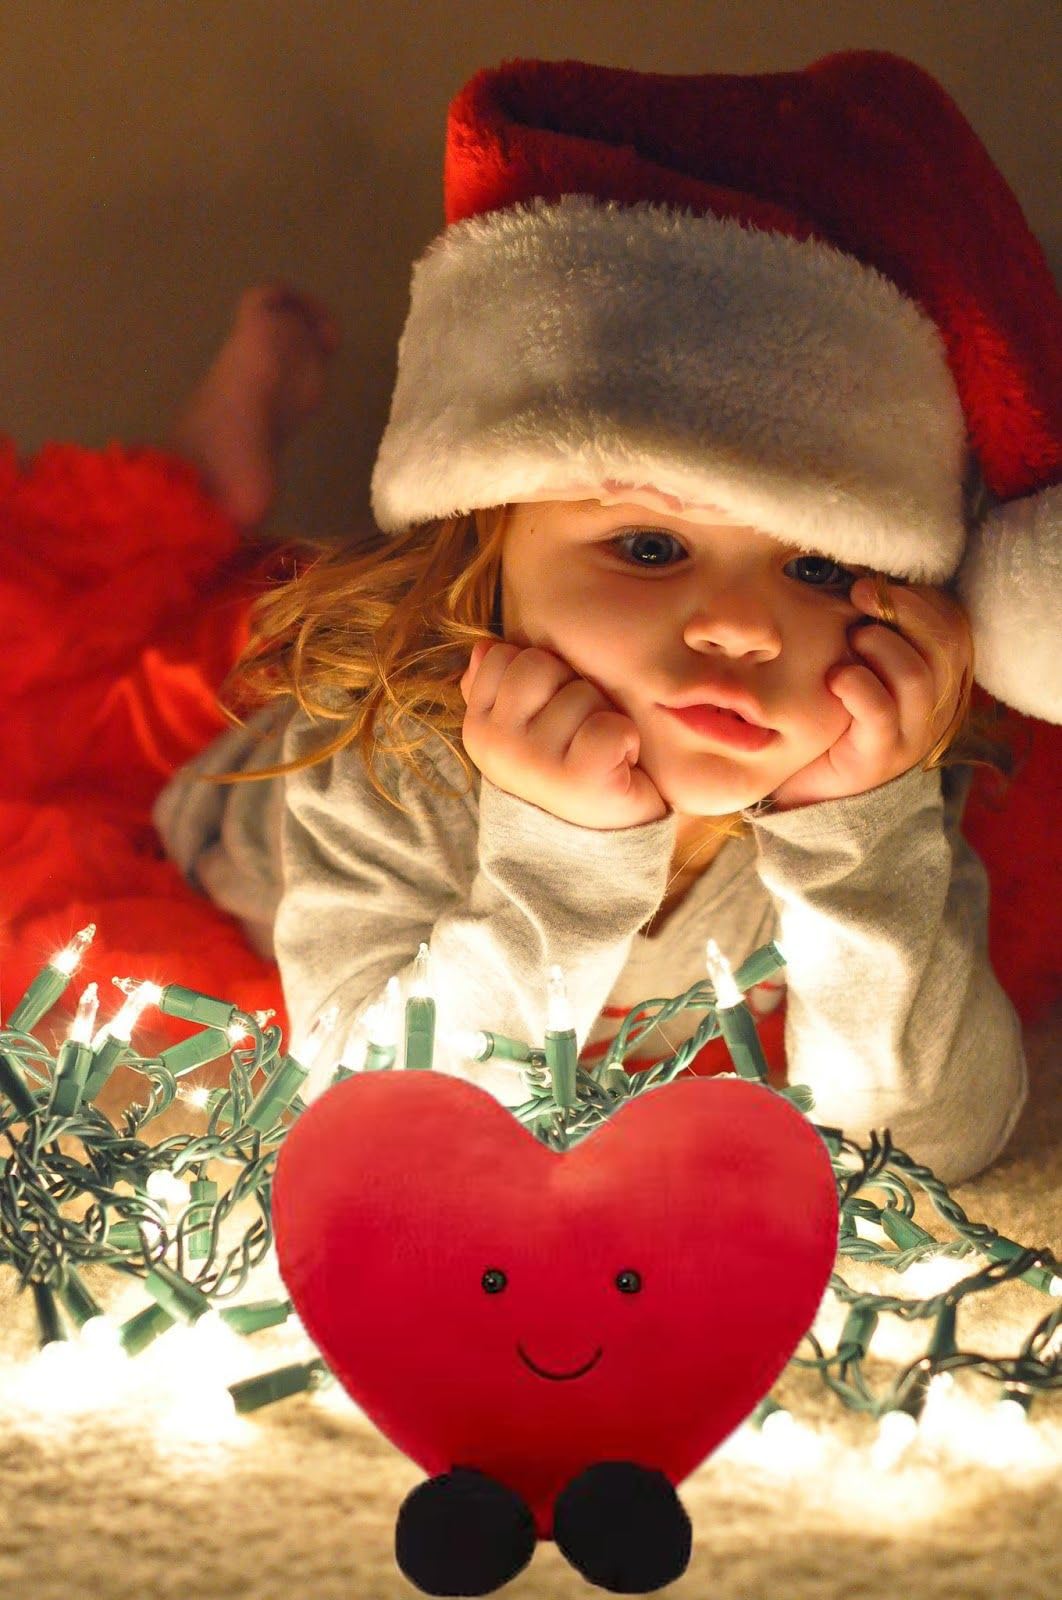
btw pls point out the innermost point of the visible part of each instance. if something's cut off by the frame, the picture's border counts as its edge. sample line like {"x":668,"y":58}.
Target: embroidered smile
{"x":558,"y":1377}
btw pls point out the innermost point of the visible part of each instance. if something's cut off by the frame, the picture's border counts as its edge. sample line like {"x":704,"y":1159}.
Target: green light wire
{"x":184,"y":1271}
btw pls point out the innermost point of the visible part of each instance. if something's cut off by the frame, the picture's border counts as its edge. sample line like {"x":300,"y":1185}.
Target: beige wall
{"x":162,"y":155}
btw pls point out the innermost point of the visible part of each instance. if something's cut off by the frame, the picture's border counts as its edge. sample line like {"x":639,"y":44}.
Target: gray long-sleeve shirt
{"x":894,"y":1016}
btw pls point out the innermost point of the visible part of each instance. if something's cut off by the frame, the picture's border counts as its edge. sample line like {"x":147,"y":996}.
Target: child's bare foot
{"x":268,"y":376}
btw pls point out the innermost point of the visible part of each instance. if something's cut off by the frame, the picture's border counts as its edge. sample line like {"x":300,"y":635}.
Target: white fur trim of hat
{"x":582,"y":344}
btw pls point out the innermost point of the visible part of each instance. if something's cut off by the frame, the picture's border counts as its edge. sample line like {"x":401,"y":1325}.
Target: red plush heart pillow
{"x":491,"y":1303}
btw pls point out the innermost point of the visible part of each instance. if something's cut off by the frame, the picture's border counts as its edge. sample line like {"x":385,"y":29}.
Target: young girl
{"x":695,"y":363}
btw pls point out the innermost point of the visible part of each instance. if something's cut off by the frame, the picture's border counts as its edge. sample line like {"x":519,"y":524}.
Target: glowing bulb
{"x":131,"y":986}
{"x":317,"y":1039}
{"x":381,"y":1022}
{"x":333,"y":1397}
{"x":204,"y":1351}
{"x":788,"y":1446}
{"x":69,"y":960}
{"x":85,"y":1020}
{"x":937,"y":1422}
{"x":468,"y":1043}
{"x":153,"y":1233}
{"x":236,"y":1031}
{"x":419,"y":986}
{"x":165,"y":1187}
{"x":1011,"y":1415}
{"x":727,"y":993}
{"x":779,"y":1425}
{"x":138,"y":997}
{"x":102,"y":1336}
{"x":896,"y":1432}
{"x":558,"y":1009}
{"x":54,"y":1381}
{"x":932,"y":1276}
{"x":1004,"y":1438}
{"x":201,"y":1415}
{"x":779,"y":1444}
{"x":198,"y":1097}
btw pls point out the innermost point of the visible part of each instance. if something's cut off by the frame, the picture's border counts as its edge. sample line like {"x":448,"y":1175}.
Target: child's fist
{"x":540,"y":732}
{"x":903,"y":695}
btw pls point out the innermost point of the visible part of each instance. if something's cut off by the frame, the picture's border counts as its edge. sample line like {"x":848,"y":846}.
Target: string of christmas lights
{"x":154,"y":1213}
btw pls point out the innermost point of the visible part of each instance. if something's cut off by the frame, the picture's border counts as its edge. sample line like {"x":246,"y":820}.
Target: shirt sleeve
{"x":895,"y":1018}
{"x":499,"y":892}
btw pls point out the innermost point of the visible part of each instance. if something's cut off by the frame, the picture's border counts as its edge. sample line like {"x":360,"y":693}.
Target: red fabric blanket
{"x":124,"y":596}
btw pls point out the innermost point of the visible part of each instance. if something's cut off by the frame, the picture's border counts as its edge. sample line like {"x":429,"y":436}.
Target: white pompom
{"x":1010,"y":582}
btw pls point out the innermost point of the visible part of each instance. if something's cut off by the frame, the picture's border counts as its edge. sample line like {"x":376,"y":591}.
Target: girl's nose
{"x":737,"y":620}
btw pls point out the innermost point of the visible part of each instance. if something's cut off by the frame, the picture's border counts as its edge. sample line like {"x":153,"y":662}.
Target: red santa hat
{"x":807,"y":300}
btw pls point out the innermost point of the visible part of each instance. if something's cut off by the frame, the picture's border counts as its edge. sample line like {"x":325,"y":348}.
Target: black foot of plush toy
{"x":623,"y":1527}
{"x":463,"y":1533}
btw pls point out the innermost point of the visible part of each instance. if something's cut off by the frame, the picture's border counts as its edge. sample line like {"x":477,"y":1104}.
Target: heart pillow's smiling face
{"x":491,"y":1303}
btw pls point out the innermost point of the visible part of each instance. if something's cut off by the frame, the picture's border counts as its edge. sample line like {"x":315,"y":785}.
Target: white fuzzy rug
{"x":131,"y":1495}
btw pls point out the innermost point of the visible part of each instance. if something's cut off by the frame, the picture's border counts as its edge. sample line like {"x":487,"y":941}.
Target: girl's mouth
{"x":724,"y":727}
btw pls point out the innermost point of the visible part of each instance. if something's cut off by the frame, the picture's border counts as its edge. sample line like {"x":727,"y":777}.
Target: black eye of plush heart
{"x":494,"y":1281}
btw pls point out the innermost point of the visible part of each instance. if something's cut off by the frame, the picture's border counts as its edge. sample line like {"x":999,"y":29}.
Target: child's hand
{"x":901,"y":701}
{"x":540,"y":732}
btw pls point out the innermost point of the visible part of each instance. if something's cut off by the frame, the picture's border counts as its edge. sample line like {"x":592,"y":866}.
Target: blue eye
{"x":821,"y":572}
{"x":654,"y":535}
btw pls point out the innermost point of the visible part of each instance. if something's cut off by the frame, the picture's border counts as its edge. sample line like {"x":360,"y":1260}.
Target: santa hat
{"x":807,"y":299}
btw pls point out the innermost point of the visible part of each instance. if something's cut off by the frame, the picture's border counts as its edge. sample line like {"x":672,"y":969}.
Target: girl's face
{"x":651,"y":609}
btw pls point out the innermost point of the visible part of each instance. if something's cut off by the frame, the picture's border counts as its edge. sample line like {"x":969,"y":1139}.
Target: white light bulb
{"x":85,"y":1019}
{"x":1010,"y":1414}
{"x":727,"y":993}
{"x":69,"y":960}
{"x":318,"y":1038}
{"x":165,"y":1187}
{"x":202,"y":1415}
{"x":138,"y":997}
{"x":206,"y":1350}
{"x":381,"y":1021}
{"x":197,"y":1097}
{"x":151,"y":1230}
{"x":1004,"y":1438}
{"x":933,"y":1275}
{"x":897,"y":1431}
{"x":419,"y":985}
{"x":54,"y":1381}
{"x":558,"y":1008}
{"x":787,"y":1446}
{"x":237,"y":1031}
{"x":467,"y":1043}
{"x":103,"y":1336}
